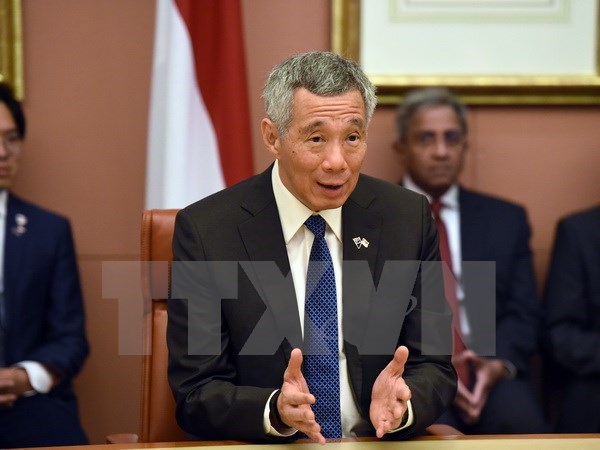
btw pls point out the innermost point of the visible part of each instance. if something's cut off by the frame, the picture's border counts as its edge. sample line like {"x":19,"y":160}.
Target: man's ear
{"x":399,"y":148}
{"x":270,"y":136}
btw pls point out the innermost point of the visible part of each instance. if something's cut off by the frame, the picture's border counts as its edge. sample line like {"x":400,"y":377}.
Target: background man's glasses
{"x":11,"y":142}
{"x":451,"y":139}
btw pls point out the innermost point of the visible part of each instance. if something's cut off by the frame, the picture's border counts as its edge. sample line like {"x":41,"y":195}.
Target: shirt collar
{"x":293,"y":213}
{"x":3,"y":202}
{"x":449,"y":199}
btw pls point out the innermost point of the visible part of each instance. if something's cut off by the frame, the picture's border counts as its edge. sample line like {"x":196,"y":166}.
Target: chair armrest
{"x":122,"y":438}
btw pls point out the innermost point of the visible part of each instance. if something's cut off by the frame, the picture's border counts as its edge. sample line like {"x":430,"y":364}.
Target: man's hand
{"x":294,"y":400}
{"x":13,"y":383}
{"x":488,"y":372}
{"x":390,"y":395}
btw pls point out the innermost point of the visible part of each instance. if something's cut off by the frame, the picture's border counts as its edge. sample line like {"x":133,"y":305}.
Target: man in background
{"x":311,"y":375}
{"x":494,"y":393}
{"x":572,"y":321}
{"x":42,"y":337}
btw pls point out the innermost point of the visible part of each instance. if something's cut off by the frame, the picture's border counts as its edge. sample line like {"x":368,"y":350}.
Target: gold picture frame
{"x":474,"y":89}
{"x":11,"y":45}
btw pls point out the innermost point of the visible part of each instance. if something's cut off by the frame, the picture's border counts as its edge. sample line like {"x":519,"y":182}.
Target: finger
{"x":297,"y":416}
{"x":317,"y":437}
{"x":7,"y":399}
{"x":478,"y":391}
{"x":396,"y":365}
{"x":403,"y":393}
{"x":465,"y":397}
{"x":307,"y":424}
{"x":296,"y":398}
{"x":381,"y":431}
{"x":399,"y":411}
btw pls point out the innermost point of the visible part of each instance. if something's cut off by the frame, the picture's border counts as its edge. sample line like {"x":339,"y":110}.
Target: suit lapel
{"x":15,"y":246}
{"x":263,"y":238}
{"x":471,"y":226}
{"x":358,"y":222}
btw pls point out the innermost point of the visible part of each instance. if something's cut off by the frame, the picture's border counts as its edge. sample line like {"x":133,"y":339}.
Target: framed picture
{"x":488,"y":51}
{"x":11,"y":45}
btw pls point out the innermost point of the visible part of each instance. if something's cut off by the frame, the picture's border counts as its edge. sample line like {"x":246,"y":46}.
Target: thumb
{"x":396,"y":365}
{"x":294,"y":368}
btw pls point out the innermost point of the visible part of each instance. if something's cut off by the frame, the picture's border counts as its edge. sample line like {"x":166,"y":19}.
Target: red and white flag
{"x":199,"y":127}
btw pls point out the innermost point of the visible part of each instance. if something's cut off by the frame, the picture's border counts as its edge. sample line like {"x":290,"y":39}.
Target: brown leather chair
{"x":158,"y":422}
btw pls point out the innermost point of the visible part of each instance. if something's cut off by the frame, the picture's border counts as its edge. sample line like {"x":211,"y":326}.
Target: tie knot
{"x":316,"y":224}
{"x":436,"y":206}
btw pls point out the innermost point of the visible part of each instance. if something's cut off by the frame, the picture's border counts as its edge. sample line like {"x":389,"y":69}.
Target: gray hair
{"x":321,"y":73}
{"x":420,"y":99}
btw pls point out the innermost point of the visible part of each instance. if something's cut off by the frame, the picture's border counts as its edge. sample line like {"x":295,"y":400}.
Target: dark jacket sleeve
{"x":211,"y":401}
{"x":572,"y":334}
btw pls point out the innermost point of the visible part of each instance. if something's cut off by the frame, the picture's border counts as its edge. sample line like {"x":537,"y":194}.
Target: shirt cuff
{"x":409,"y":419}
{"x":268,"y":426}
{"x":39,"y":378}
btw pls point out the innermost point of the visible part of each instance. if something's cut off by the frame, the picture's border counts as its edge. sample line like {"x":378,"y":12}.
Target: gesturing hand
{"x":390,"y":395}
{"x":294,"y":400}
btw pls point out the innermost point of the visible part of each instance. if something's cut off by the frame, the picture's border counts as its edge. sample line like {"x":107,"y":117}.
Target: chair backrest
{"x":158,"y":422}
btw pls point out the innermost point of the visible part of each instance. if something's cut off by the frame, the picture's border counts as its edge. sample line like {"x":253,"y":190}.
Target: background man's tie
{"x":458,"y":346}
{"x":2,"y":349}
{"x":321,"y":363}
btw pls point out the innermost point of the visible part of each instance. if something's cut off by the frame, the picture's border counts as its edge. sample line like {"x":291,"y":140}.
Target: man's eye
{"x":353,"y":138}
{"x":12,"y":138}
{"x":425,"y":138}
{"x":315,"y":139}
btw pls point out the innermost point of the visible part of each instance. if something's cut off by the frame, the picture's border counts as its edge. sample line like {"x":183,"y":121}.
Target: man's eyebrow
{"x":357,"y":121}
{"x":311,"y":126}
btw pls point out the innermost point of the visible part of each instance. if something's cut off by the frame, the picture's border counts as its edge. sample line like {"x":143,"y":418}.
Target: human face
{"x":434,"y":149}
{"x":321,"y":153}
{"x":9,"y":162}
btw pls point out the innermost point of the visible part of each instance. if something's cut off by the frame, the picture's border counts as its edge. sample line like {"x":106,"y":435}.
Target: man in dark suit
{"x":42,"y":338}
{"x":254,"y":383}
{"x":495,"y":394}
{"x":572,"y":320}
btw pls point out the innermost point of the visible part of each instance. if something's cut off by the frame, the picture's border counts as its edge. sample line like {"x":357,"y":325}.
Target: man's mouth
{"x":332,"y":187}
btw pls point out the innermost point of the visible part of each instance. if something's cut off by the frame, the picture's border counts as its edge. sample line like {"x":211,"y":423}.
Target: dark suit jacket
{"x":572,"y":320}
{"x":223,"y":396}
{"x":496,"y":230}
{"x":43,"y":303}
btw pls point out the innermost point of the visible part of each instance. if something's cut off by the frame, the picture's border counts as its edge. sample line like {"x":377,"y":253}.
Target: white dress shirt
{"x":450,"y":214}
{"x":298,"y":241}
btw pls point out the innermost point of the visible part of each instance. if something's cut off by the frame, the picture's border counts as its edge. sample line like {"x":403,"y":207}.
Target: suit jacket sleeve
{"x":427,"y":334}
{"x":212,"y":403}
{"x":572,"y":340}
{"x":516,"y":296}
{"x":64,"y":346}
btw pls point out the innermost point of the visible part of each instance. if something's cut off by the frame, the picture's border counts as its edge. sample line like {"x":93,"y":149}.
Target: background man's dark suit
{"x":44,"y":322}
{"x":225,"y":395}
{"x":572,"y":319}
{"x":496,"y":230}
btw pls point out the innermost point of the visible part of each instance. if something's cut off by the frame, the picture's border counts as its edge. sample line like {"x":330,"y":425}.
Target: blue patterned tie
{"x":321,"y":363}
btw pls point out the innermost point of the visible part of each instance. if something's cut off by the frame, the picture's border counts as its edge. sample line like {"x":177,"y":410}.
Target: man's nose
{"x":441,"y":148}
{"x":334,"y":157}
{"x":4,"y":153}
